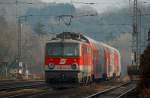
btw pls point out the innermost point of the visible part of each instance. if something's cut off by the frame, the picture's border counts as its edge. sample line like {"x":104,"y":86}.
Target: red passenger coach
{"x":75,"y":58}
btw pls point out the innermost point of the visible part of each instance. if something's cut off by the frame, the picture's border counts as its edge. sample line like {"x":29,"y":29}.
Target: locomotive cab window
{"x":62,"y":49}
{"x":71,"y":50}
{"x":54,"y":49}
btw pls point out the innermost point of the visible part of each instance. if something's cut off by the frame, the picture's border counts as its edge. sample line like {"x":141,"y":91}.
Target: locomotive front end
{"x":62,"y":60}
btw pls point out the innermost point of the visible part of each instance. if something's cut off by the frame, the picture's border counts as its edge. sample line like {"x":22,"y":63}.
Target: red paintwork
{"x":91,"y":59}
{"x":86,"y":55}
{"x":56,"y":60}
{"x":107,"y":58}
{"x":116,"y":61}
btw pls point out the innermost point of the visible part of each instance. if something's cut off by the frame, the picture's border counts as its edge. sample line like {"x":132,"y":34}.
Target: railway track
{"x":18,"y":88}
{"x":78,"y":92}
{"x":115,"y":92}
{"x":39,"y":89}
{"x":29,"y":93}
{"x":12,"y":82}
{"x":14,"y":85}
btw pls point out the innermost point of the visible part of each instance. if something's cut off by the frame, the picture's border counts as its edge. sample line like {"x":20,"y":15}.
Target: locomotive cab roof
{"x":71,"y":36}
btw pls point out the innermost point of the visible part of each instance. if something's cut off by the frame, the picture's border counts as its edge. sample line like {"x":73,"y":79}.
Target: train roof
{"x":78,"y":37}
{"x":64,"y":41}
{"x":101,"y":44}
{"x":69,"y":36}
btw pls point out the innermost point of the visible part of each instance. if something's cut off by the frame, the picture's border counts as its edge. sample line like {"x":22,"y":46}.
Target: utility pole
{"x":136,"y":35}
{"x":19,"y":38}
{"x":20,"y":63}
{"x":19,"y":30}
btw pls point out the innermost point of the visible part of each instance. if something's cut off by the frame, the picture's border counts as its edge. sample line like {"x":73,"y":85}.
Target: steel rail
{"x":20,"y":85}
{"x":28,"y":95}
{"x":123,"y":94}
{"x":33,"y":85}
{"x":111,"y":89}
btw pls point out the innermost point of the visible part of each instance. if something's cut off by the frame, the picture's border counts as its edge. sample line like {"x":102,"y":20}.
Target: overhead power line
{"x":91,"y":3}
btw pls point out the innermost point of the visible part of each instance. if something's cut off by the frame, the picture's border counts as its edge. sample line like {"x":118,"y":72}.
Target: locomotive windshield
{"x":62,"y":49}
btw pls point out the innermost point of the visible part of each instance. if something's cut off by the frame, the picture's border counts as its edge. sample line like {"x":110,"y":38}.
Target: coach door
{"x":106,"y":62}
{"x":85,"y":58}
{"x":101,"y":61}
{"x":97,"y":67}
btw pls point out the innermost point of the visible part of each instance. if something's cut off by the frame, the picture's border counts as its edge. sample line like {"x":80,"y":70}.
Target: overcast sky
{"x":100,"y":6}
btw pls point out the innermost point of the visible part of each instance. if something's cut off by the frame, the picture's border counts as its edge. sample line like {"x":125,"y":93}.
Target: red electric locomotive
{"x":75,"y":58}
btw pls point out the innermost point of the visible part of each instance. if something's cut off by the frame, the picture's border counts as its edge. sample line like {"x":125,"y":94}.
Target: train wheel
{"x":86,"y":80}
{"x":93,"y":78}
{"x":114,"y":76}
{"x":90,"y":80}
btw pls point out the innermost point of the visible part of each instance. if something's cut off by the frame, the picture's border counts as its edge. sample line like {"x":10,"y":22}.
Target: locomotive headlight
{"x":74,"y":66}
{"x":51,"y":66}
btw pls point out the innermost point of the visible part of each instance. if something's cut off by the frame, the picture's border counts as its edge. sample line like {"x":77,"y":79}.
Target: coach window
{"x":88,"y":50}
{"x":101,"y":58}
{"x":101,"y":55}
{"x":84,"y":50}
{"x":111,"y":60}
{"x":94,"y":57}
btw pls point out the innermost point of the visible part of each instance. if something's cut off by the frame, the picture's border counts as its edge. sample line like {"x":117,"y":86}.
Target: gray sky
{"x":100,"y":6}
